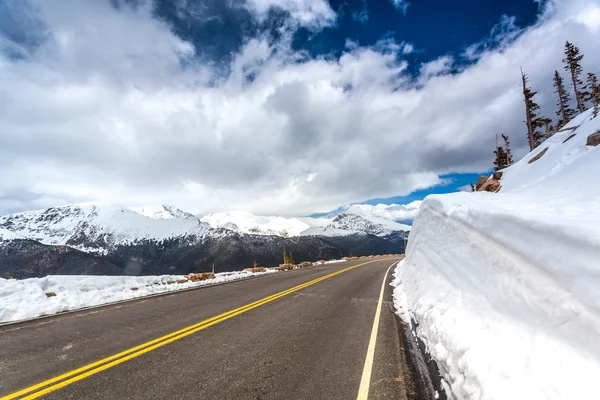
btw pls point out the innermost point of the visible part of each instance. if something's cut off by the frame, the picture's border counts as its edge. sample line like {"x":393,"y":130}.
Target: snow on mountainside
{"x":340,"y":225}
{"x":163,"y":212}
{"x":244,"y":222}
{"x":347,"y":223}
{"x":113,"y":225}
{"x":6,"y":235}
{"x":109,"y":225}
{"x":505,"y":286}
{"x":371,"y":225}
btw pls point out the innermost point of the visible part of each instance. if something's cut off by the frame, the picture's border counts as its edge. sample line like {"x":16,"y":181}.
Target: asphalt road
{"x":308,"y":343}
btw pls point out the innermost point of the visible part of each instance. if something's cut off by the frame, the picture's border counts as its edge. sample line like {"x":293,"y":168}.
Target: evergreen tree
{"x":572,"y":62}
{"x":565,"y":112}
{"x":509,"y":157}
{"x":500,"y":161}
{"x":533,"y":121}
{"x":593,"y":94}
{"x":286,"y":259}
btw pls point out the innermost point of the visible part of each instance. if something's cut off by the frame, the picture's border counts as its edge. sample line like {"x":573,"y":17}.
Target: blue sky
{"x":434,"y":27}
{"x":281,"y":107}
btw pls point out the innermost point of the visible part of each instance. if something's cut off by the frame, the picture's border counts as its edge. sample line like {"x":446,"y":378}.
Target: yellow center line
{"x":116,"y":359}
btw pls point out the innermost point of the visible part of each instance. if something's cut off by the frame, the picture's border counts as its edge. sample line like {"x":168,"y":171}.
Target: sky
{"x":289,"y":107}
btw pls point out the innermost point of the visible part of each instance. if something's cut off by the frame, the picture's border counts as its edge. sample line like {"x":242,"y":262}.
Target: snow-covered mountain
{"x":338,"y":225}
{"x":244,"y":222}
{"x":346,"y":223}
{"x":96,"y":227}
{"x":110,"y":239}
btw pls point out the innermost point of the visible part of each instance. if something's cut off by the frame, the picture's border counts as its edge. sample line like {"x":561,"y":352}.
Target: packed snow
{"x":26,"y":298}
{"x":505,"y":288}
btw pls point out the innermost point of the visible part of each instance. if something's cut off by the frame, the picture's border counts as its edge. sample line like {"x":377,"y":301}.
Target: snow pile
{"x":334,"y":261}
{"x":23,"y":299}
{"x":505,"y":288}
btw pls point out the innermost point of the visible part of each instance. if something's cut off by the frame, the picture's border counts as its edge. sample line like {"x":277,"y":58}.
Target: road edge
{"x":114,"y":303}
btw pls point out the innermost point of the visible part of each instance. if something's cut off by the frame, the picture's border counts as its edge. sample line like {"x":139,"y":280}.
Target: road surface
{"x":303,"y":334}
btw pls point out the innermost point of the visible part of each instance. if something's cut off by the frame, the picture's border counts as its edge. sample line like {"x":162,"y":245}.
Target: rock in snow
{"x":505,"y":287}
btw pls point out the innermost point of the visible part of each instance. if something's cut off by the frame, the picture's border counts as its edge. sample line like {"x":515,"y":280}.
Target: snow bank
{"x":335,"y":261}
{"x":505,"y":288}
{"x":23,"y":299}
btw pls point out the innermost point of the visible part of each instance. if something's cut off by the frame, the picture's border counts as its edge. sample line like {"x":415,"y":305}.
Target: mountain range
{"x":109,"y":239}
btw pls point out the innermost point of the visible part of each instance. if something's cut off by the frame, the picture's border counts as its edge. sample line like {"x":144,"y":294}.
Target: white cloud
{"x":401,"y":5}
{"x":395,"y":212}
{"x":408,"y":48}
{"x":310,"y":13}
{"x":130,"y":116}
{"x":440,"y":66}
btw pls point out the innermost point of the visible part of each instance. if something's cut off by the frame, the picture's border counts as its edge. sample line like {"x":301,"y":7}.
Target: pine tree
{"x":533,"y":120}
{"x":509,"y":157}
{"x":565,"y":112}
{"x":500,"y":161}
{"x":593,"y":94}
{"x":286,"y":259}
{"x":572,"y":62}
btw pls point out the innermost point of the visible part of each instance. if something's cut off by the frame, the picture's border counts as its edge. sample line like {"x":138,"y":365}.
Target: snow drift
{"x":505,"y":288}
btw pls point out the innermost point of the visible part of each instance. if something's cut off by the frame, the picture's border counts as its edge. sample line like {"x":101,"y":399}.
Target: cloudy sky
{"x":288,"y":107}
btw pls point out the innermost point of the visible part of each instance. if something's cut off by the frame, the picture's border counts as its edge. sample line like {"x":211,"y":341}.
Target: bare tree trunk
{"x":527,"y":114}
{"x":576,"y":89}
{"x":563,"y":106}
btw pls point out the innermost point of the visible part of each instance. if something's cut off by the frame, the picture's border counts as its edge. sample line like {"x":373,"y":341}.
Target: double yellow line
{"x":50,"y":385}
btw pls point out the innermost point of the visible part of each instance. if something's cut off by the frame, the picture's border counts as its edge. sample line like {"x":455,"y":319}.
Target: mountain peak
{"x":163,"y":211}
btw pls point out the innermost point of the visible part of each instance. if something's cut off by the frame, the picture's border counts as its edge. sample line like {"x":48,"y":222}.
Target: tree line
{"x":540,"y":128}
